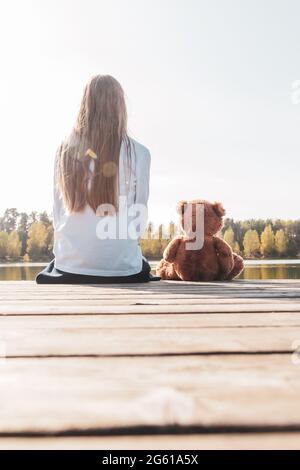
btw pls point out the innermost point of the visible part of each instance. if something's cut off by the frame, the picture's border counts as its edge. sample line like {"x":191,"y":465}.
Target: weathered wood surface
{"x":76,"y":394}
{"x":94,"y":361}
{"x":70,"y":341}
{"x":285,"y":441}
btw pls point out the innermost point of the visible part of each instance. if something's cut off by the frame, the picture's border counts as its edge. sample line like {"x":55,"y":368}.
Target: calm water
{"x":267,"y":269}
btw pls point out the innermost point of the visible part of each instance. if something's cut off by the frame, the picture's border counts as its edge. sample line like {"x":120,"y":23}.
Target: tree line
{"x":29,"y":237}
{"x":263,"y":238}
{"x":252,"y":239}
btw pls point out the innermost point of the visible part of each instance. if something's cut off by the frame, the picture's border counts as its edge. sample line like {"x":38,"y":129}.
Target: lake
{"x":258,"y":269}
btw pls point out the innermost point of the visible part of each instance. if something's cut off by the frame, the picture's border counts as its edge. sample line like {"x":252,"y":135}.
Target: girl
{"x":101,"y":192}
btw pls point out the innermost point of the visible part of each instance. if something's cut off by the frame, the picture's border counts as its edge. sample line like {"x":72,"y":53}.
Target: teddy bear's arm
{"x":225,"y":255}
{"x":171,"y":250}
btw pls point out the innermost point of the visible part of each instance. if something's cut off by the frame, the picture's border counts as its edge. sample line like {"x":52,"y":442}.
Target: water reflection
{"x":19,"y":273}
{"x":252,"y":271}
{"x":281,"y":271}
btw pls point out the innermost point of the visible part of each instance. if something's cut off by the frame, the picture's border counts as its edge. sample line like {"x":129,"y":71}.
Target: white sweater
{"x":80,"y":246}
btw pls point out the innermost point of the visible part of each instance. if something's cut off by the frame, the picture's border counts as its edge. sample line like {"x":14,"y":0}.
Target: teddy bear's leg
{"x":225,"y":258}
{"x":237,"y":268}
{"x":167,"y":271}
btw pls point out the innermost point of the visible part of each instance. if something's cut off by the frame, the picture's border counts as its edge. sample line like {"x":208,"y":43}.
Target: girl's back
{"x":106,"y":245}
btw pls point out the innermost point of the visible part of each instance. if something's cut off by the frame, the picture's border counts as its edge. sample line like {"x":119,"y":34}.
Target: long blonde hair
{"x":97,"y":136}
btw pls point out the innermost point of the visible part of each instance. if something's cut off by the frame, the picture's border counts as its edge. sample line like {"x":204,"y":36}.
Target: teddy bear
{"x":211,"y":259}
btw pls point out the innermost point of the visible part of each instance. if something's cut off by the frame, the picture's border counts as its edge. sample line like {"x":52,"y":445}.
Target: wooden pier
{"x":164,"y":365}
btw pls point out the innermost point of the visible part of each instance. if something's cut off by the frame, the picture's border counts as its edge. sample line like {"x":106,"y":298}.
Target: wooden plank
{"x":218,"y":320}
{"x":160,"y":296}
{"x":162,"y":286}
{"x":264,"y":441}
{"x":193,"y":304}
{"x":163,"y":293}
{"x":127,"y":299}
{"x":236,"y":282}
{"x":96,"y":308}
{"x":149,"y":298}
{"x":98,"y":395}
{"x":158,"y":286}
{"x":111,"y":342}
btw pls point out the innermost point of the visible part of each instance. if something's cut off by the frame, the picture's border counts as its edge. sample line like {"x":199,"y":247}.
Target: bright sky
{"x":209,"y":89}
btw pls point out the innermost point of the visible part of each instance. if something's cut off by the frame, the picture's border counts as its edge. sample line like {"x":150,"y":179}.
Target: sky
{"x":212,"y":88}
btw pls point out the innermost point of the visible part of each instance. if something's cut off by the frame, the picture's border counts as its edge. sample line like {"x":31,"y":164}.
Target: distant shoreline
{"x":248,"y":262}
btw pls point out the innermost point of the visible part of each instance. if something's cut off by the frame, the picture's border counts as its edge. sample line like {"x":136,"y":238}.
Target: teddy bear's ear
{"x":219,"y":209}
{"x":180,"y":207}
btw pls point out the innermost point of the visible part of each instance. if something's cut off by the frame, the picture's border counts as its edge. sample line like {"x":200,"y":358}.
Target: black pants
{"x":51,"y":275}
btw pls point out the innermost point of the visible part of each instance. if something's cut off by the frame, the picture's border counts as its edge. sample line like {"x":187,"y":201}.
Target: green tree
{"x":172,"y":230}
{"x":280,"y":242}
{"x":37,"y":240}
{"x":161,"y":231}
{"x":14,"y":245}
{"x":50,"y":240}
{"x":23,"y":231}
{"x":9,"y":220}
{"x":293,"y":237}
{"x":237,"y":248}
{"x":267,"y":241}
{"x":229,"y":237}
{"x":251,"y":243}
{"x":32,"y":218}
{"x":148,"y":232}
{"x":44,"y":217}
{"x":3,"y":244}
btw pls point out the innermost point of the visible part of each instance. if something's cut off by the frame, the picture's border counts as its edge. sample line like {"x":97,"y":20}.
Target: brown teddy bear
{"x":214,"y":261}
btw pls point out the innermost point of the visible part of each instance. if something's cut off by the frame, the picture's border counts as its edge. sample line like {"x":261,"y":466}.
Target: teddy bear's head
{"x":211,"y":214}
